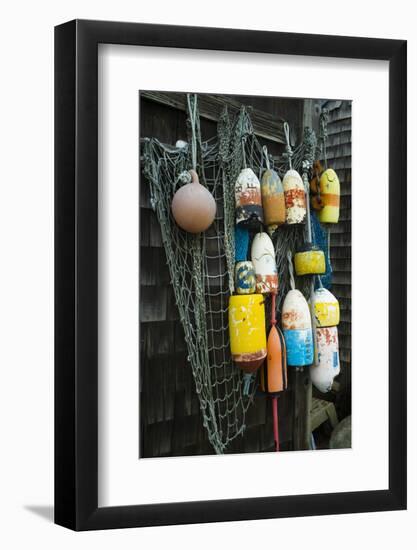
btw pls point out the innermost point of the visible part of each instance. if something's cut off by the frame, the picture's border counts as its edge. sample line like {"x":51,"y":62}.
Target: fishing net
{"x":202,"y":266}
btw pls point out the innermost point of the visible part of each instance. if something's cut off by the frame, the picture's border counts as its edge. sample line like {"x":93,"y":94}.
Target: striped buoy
{"x":296,"y":324}
{"x":248,"y":199}
{"x":330,"y":197}
{"x":325,"y":311}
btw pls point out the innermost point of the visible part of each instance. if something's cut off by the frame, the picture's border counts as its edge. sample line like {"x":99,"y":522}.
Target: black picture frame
{"x":76,"y":272}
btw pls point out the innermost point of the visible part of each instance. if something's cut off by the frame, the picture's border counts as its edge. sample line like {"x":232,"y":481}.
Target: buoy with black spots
{"x":247,"y":331}
{"x":263,"y":259}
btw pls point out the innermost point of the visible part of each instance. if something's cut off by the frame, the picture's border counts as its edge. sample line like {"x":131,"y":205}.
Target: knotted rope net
{"x":202,"y":266}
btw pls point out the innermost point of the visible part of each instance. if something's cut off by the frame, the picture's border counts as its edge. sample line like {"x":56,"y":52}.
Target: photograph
{"x":245,"y":274}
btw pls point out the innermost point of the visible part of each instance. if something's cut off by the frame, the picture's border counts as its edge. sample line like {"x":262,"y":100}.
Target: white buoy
{"x":263,"y":259}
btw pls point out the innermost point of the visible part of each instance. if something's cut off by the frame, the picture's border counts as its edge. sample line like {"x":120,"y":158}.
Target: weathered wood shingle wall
{"x":339,"y":154}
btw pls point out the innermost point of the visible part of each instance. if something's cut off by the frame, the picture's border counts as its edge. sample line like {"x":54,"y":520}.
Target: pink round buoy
{"x":193,"y":206}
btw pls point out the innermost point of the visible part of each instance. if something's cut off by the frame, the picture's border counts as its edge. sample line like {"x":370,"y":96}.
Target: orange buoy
{"x":273,"y":201}
{"x":274,"y":371}
{"x":193,"y":206}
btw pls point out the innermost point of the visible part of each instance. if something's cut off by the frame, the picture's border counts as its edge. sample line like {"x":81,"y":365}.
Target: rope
{"x":324,"y":117}
{"x":291,"y":269}
{"x":192,"y":110}
{"x":243,"y":152}
{"x":288,"y":149}
{"x":265,"y":152}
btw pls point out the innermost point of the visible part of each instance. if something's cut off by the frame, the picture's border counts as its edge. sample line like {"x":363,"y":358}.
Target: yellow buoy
{"x":247,"y":331}
{"x":325,"y":308}
{"x":310,"y":261}
{"x":330,"y":197}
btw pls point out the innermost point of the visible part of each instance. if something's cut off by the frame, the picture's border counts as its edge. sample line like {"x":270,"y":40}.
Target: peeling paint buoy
{"x":273,"y":201}
{"x":248,"y":199}
{"x":263,"y":259}
{"x":296,"y":325}
{"x":327,"y":364}
{"x":325,"y":309}
{"x":245,"y":281}
{"x":247,"y":331}
{"x":309,"y":260}
{"x":295,"y":198}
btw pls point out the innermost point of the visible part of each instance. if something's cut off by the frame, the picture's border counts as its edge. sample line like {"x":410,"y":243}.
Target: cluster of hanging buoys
{"x":326,"y":315}
{"x":309,"y":337}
